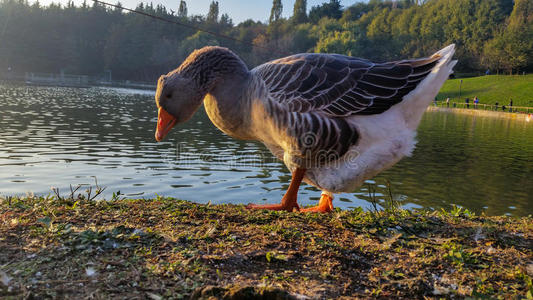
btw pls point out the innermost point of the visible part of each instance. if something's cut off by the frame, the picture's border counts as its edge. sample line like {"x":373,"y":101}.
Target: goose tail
{"x":418,"y":100}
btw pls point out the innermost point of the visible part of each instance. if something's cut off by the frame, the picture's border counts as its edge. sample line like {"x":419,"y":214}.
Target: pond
{"x":56,"y":137}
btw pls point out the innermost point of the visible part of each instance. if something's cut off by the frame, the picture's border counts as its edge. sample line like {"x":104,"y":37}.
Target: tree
{"x":303,"y":38}
{"x":226,"y":21}
{"x":299,"y":14}
{"x":197,"y":41}
{"x":331,"y":9}
{"x":275,"y":20}
{"x":511,"y":49}
{"x":275,"y":12}
{"x":90,"y":38}
{"x":494,"y":54}
{"x":337,"y":42}
{"x":212,"y":16}
{"x":354,"y":12}
{"x":518,"y":35}
{"x":182,"y":10}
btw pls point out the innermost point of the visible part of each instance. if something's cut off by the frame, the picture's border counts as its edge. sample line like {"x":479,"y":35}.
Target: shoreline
{"x":487,"y":113}
{"x":168,"y":248}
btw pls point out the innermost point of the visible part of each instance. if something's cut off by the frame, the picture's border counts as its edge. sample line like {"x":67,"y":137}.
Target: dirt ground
{"x":166,"y":248}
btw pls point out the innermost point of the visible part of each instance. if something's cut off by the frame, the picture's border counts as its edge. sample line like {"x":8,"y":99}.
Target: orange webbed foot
{"x":325,"y":205}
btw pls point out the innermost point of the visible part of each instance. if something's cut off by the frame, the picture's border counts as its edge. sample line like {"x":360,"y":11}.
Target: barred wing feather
{"x":339,"y":85}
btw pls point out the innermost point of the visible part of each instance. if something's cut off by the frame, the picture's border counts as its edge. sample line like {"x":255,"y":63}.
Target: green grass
{"x":491,"y":89}
{"x":72,"y":247}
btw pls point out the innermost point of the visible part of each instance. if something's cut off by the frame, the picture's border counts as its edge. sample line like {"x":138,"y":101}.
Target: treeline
{"x":90,"y":39}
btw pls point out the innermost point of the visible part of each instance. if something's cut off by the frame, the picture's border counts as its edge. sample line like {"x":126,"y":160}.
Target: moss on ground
{"x":167,"y":248}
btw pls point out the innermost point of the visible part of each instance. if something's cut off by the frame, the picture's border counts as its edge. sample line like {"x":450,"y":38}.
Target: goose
{"x":334,"y":120}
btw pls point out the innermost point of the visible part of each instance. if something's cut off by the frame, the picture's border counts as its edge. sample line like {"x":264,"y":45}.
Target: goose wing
{"x":339,"y":85}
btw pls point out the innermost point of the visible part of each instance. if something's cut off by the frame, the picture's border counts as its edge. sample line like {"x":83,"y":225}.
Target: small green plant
{"x":117,"y":196}
{"x":457,"y":255}
{"x":528,"y":281}
{"x":458,"y":211}
{"x":391,"y":205}
{"x":273,"y":256}
{"x":373,"y":200}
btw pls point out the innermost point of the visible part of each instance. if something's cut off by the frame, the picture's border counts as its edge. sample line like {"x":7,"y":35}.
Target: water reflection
{"x":61,"y":136}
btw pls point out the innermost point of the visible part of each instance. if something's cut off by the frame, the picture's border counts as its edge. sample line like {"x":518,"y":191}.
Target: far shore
{"x":519,"y":116}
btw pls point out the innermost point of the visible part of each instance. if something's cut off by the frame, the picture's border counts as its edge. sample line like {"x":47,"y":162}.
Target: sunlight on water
{"x":62,"y":136}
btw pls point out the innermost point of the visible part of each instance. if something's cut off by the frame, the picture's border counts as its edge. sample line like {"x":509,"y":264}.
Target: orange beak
{"x":165,"y":122}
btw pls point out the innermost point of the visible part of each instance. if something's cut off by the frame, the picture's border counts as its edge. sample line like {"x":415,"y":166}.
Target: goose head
{"x":181,"y":92}
{"x":177,"y":99}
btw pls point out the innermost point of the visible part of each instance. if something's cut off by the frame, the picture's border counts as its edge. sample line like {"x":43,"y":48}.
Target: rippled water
{"x":62,"y":136}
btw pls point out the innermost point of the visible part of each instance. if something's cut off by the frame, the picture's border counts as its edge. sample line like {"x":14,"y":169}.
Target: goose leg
{"x":289,"y":200}
{"x":324,"y":205}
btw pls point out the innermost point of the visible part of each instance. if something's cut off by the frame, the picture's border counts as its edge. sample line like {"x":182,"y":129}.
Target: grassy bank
{"x":491,"y":89}
{"x":161,"y":248}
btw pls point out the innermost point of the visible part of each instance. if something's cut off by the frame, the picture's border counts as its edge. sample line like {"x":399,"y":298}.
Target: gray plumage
{"x":311,"y":110}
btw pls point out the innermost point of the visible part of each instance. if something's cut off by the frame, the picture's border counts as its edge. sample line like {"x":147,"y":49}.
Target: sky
{"x":238,"y":10}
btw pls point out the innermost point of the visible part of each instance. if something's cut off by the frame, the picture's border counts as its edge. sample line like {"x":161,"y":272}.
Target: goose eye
{"x":169,"y":95}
